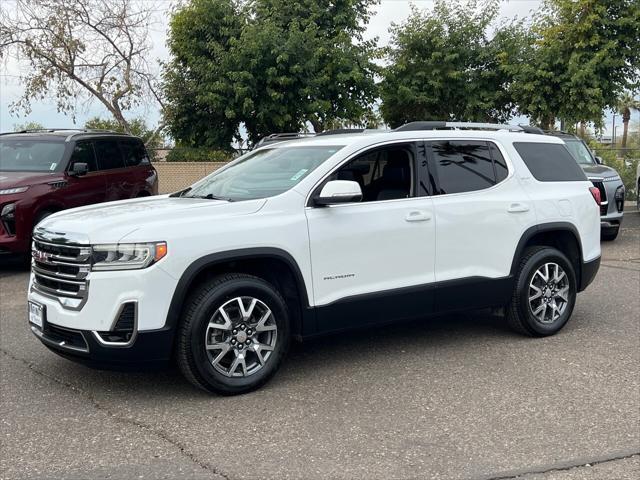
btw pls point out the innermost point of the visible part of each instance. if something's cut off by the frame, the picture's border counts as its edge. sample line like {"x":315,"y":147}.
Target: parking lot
{"x":456,"y":397}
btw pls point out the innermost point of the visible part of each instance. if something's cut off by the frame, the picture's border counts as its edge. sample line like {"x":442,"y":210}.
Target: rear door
{"x":480,"y":214}
{"x":111,"y":164}
{"x":141,"y":176}
{"x":89,"y":188}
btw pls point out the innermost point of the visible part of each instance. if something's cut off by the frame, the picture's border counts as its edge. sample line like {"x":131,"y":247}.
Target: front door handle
{"x":518,"y":208}
{"x":417,"y":216}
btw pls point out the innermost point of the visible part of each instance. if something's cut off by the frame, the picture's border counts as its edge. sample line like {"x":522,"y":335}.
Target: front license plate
{"x":36,"y":314}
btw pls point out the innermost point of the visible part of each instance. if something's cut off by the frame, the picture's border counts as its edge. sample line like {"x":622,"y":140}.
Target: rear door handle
{"x":417,"y":216}
{"x":518,"y":208}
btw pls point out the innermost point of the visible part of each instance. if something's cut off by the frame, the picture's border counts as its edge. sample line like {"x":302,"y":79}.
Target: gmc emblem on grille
{"x":40,"y":256}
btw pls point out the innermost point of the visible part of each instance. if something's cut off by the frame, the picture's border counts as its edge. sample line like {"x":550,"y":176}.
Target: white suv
{"x":312,"y":236}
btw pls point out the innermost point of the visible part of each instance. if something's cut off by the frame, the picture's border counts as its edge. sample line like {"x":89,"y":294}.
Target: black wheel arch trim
{"x":544,"y":228}
{"x":182,"y":288}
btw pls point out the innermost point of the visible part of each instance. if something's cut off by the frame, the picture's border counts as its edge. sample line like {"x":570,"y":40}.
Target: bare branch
{"x":82,"y":49}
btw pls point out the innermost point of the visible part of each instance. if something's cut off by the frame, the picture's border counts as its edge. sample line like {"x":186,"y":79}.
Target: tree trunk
{"x":317,"y":125}
{"x":117,"y":114}
{"x":547,"y":121}
{"x":626,"y":116}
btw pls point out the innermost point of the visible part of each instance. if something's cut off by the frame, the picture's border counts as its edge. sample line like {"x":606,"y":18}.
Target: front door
{"x":373,"y":261}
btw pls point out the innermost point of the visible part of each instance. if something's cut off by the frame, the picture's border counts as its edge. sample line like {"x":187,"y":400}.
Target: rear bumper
{"x":151,"y":349}
{"x":588,"y":273}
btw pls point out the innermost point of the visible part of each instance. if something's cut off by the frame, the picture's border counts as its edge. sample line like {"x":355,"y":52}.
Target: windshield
{"x":30,"y":155}
{"x":580,"y":152}
{"x":263,"y":173}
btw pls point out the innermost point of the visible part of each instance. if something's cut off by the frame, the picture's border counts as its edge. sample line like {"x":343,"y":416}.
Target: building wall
{"x":174,"y":176}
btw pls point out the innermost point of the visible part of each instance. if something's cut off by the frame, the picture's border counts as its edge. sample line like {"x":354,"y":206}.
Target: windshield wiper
{"x":210,"y":196}
{"x":180,"y":193}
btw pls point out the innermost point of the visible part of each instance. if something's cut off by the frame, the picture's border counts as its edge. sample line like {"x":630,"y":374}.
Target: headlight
{"x":9,"y":191}
{"x":127,"y":256}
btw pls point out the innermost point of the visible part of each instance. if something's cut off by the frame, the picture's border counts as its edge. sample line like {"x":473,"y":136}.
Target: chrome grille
{"x":604,"y":203}
{"x":60,"y":271}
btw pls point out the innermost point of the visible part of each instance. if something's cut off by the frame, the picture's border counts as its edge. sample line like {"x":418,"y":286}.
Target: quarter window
{"x":109,"y":155}
{"x":464,"y":166}
{"x":549,"y":162}
{"x":134,"y":153}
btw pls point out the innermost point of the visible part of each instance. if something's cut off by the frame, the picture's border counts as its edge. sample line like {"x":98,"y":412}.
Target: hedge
{"x":188,"y":154}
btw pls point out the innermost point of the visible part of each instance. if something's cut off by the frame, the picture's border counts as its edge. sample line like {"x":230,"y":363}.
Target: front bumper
{"x":83,"y":333}
{"x":151,"y":349}
{"x":611,"y":220}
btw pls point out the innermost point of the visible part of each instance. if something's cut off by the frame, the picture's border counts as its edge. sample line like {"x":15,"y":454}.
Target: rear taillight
{"x":596,"y":195}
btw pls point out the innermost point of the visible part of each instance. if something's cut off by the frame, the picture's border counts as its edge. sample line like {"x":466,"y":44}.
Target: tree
{"x":269,"y":65}
{"x":444,"y":66}
{"x":201,"y":109}
{"x":626,"y":103}
{"x":137,"y":127}
{"x":82,"y":49}
{"x":19,"y":127}
{"x":583,"y":55}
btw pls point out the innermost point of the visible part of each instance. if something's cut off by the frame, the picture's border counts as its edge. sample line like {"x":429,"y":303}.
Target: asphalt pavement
{"x":457,"y":397}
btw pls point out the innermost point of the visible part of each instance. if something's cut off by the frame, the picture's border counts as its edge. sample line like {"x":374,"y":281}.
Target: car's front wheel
{"x":544,"y":293}
{"x":233,"y":335}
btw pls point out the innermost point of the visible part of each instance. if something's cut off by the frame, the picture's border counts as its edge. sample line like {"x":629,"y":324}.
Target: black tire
{"x":519,"y":313}
{"x":41,"y":216}
{"x":191,"y":354}
{"x":610,"y":234}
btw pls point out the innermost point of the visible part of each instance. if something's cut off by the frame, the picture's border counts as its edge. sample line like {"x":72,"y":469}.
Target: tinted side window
{"x":134,"y":153}
{"x":383,"y":173}
{"x":109,"y":155}
{"x":462,"y":166}
{"x":83,"y":153}
{"x":502,"y":171}
{"x":549,"y":162}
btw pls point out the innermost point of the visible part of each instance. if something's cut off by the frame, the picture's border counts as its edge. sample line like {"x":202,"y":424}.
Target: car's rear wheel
{"x":610,"y":234}
{"x":544,"y":294}
{"x":233,"y":335}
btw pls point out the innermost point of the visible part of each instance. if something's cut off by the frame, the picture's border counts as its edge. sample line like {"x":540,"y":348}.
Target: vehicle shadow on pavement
{"x":345,"y":354}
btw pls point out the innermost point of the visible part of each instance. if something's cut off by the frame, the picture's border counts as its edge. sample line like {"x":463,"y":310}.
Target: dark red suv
{"x":42,"y":172}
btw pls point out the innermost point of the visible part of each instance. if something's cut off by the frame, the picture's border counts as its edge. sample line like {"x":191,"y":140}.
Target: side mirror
{"x":599,"y":160}
{"x":339,"y":191}
{"x":79,"y":169}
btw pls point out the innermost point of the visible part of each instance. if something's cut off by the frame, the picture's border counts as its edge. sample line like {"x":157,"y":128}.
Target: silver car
{"x":606,"y":179}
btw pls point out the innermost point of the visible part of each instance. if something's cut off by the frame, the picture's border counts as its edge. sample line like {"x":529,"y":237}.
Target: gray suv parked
{"x":606,"y":179}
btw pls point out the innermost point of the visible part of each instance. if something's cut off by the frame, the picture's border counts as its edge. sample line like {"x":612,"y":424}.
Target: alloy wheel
{"x":548,"y":293}
{"x":241,"y":337}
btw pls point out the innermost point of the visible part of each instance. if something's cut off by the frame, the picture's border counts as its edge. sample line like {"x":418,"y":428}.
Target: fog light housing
{"x":8,"y":218}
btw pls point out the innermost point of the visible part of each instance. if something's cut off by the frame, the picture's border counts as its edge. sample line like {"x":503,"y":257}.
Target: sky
{"x":45,"y":112}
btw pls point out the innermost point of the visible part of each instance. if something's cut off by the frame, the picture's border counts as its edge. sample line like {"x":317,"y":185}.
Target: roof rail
{"x":341,"y":131}
{"x":281,"y":137}
{"x":53,"y":130}
{"x":94,"y":131}
{"x":439,"y":125}
{"x":531,"y":129}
